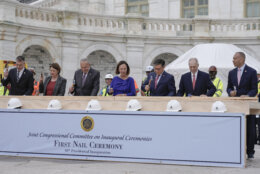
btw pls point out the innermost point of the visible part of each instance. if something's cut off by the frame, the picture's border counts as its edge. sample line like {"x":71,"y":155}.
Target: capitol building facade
{"x":107,"y":31}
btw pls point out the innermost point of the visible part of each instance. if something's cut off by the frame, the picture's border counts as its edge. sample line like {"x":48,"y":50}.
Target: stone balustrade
{"x":36,"y":14}
{"x":69,"y":20}
{"x":101,"y":23}
{"x":46,"y":3}
{"x":235,"y":26}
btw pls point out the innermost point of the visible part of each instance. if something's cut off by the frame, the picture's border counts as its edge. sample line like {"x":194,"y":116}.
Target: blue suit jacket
{"x":247,"y":85}
{"x":203,"y":85}
{"x":165,"y":87}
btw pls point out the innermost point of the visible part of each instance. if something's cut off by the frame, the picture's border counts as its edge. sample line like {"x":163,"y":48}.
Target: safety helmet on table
{"x":133,"y":105}
{"x":174,"y":106}
{"x":54,"y":104}
{"x":218,"y":106}
{"x":14,"y":103}
{"x":93,"y":105}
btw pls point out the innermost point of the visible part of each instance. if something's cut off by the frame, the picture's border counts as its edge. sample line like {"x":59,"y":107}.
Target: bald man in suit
{"x":86,"y":80}
{"x":242,"y":82}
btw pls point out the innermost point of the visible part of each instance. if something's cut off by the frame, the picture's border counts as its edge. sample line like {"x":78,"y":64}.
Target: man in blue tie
{"x":159,"y":82}
{"x":195,"y":82}
{"x":20,"y":78}
{"x":242,"y":82}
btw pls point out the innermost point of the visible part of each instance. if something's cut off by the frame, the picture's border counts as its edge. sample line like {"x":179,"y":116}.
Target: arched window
{"x":252,"y":8}
{"x":137,"y":6}
{"x":192,"y":8}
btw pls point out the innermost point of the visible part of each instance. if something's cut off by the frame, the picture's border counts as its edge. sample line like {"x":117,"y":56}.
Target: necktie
{"x":17,"y":78}
{"x":238,"y":75}
{"x":156,"y":81}
{"x":193,"y":81}
{"x":83,"y":79}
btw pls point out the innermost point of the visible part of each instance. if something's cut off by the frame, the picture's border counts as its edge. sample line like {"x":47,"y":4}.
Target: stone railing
{"x":173,"y":27}
{"x":235,"y":26}
{"x":37,"y":14}
{"x":46,"y":3}
{"x":94,"y":23}
{"x":133,"y":25}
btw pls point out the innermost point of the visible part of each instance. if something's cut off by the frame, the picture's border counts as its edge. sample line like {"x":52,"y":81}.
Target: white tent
{"x":220,"y":55}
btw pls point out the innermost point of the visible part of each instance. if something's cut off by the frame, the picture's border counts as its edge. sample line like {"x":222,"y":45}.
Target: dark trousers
{"x":258,"y":130}
{"x":251,"y":133}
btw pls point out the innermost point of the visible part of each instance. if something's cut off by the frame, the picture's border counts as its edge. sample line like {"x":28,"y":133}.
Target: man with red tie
{"x":242,"y":82}
{"x":195,"y":82}
{"x":159,"y":82}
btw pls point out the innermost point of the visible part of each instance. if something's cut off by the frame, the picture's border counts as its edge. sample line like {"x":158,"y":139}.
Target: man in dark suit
{"x":86,"y":80}
{"x":195,"y":82}
{"x":159,"y":82}
{"x":242,"y":82}
{"x":20,"y":78}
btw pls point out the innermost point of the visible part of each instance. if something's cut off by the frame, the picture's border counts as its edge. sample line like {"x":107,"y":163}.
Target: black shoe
{"x":250,"y":156}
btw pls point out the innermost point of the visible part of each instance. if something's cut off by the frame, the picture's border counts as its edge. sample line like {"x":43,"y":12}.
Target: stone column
{"x":7,"y":33}
{"x":201,"y":27}
{"x":134,"y":53}
{"x":70,"y":56}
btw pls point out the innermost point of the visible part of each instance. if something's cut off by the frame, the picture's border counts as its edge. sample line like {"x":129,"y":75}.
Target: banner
{"x":207,"y":139}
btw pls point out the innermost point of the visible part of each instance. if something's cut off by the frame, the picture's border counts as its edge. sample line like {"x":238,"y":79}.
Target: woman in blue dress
{"x":122,"y":85}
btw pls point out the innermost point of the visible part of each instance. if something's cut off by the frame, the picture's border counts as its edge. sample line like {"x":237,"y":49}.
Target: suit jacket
{"x":203,"y":85}
{"x":165,"y":87}
{"x":247,"y":85}
{"x":59,"y":89}
{"x":91,"y":85}
{"x":25,"y":84}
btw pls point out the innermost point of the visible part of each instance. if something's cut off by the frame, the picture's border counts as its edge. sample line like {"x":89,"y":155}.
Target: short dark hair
{"x":242,"y":54}
{"x":55,"y":66}
{"x":159,"y":62}
{"x":121,"y":63}
{"x":20,"y":59}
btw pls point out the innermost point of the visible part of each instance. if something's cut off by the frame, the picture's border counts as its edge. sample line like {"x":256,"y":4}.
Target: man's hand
{"x":233,"y":93}
{"x":5,"y":73}
{"x":71,"y":89}
{"x":147,"y":87}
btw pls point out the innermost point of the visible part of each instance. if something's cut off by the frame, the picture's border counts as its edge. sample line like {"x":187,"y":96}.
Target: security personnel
{"x":105,"y":90}
{"x":148,"y":70}
{"x":216,"y":81}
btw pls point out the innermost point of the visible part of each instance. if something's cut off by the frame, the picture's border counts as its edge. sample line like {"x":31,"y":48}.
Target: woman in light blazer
{"x":54,"y":85}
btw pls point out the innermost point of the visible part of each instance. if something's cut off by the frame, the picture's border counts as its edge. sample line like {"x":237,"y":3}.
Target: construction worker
{"x":3,"y":90}
{"x":36,"y":84}
{"x":148,"y":70}
{"x":105,"y":90}
{"x":216,"y":81}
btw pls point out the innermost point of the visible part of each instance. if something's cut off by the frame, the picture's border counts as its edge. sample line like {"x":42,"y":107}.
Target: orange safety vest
{"x":136,"y":88}
{"x":36,"y":86}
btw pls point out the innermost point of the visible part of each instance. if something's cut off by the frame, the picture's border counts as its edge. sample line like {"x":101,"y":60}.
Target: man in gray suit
{"x":86,"y":80}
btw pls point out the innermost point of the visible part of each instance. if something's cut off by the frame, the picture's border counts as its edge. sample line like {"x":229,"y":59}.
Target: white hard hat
{"x":133,"y":105}
{"x":174,"y":106}
{"x":149,"y":68}
{"x":54,"y":104}
{"x":93,"y":105}
{"x":109,"y":76}
{"x":14,"y":103}
{"x":218,"y":106}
